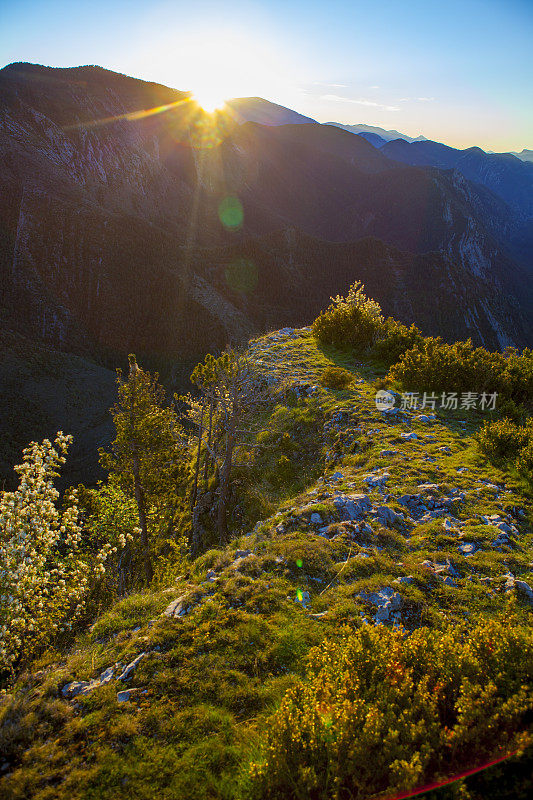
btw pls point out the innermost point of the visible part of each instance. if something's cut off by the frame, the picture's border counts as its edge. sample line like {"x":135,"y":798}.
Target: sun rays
{"x":198,"y":120}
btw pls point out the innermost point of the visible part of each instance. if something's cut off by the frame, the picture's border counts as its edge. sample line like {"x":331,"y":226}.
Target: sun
{"x":210,"y":98}
{"x":216,"y":66}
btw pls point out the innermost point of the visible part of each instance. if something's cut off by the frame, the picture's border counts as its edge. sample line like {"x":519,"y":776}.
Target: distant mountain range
{"x":111,"y":238}
{"x":373,"y":131}
{"x":379,"y":136}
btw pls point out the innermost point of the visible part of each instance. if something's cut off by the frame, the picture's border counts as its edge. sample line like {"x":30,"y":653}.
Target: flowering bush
{"x":44,"y":577}
{"x":382,"y":711}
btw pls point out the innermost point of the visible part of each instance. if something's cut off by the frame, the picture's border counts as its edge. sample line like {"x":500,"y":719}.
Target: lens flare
{"x":231,"y":213}
{"x":448,"y":781}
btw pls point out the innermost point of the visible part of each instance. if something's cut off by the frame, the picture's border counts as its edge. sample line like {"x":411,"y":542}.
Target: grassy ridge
{"x":211,"y":678}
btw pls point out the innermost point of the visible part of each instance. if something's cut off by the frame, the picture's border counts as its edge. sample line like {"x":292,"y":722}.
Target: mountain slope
{"x":524,"y":155}
{"x":255,"y":109}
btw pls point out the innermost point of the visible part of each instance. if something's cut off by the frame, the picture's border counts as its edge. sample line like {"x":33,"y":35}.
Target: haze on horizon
{"x":459,"y":73}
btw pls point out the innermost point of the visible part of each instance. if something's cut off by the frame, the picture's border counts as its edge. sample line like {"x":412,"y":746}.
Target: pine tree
{"x":146,"y":457}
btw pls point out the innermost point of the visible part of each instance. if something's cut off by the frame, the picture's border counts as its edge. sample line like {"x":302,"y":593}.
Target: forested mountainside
{"x":114,"y":236}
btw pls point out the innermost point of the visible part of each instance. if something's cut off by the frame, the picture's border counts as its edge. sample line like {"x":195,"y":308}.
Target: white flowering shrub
{"x":44,"y":576}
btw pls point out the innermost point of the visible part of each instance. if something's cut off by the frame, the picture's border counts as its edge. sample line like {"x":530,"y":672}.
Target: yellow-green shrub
{"x":351,"y":321}
{"x":434,"y":366}
{"x":503,"y":439}
{"x":395,"y":339}
{"x":357,"y":321}
{"x":336,"y":378}
{"x":383,"y":711}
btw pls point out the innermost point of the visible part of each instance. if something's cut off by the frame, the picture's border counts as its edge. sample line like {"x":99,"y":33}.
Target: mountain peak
{"x":257,"y":109}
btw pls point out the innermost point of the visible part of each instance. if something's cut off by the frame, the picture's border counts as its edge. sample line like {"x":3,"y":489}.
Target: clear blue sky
{"x":459,"y":71}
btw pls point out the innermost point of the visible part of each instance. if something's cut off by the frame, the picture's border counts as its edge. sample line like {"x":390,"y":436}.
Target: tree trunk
{"x":225,"y":475}
{"x":209,"y":436}
{"x":198,"y":530}
{"x":198,"y":455}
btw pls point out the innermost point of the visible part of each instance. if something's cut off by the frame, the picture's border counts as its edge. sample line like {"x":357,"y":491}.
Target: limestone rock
{"x":129,"y":669}
{"x":448,"y":581}
{"x":376,"y":480}
{"x":71,"y":690}
{"x":126,"y":694}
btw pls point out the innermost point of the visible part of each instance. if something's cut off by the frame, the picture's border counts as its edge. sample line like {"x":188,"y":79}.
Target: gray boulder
{"x":448,"y":581}
{"x":75,"y":688}
{"x":376,"y":480}
{"x":388,"y":516}
{"x":526,"y":589}
{"x":243,"y":553}
{"x":428,"y":488}
{"x":126,"y":694}
{"x":383,"y":612}
{"x":351,"y":507}
{"x":468,"y":548}
{"x":178,"y":608}
{"x":337,"y":476}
